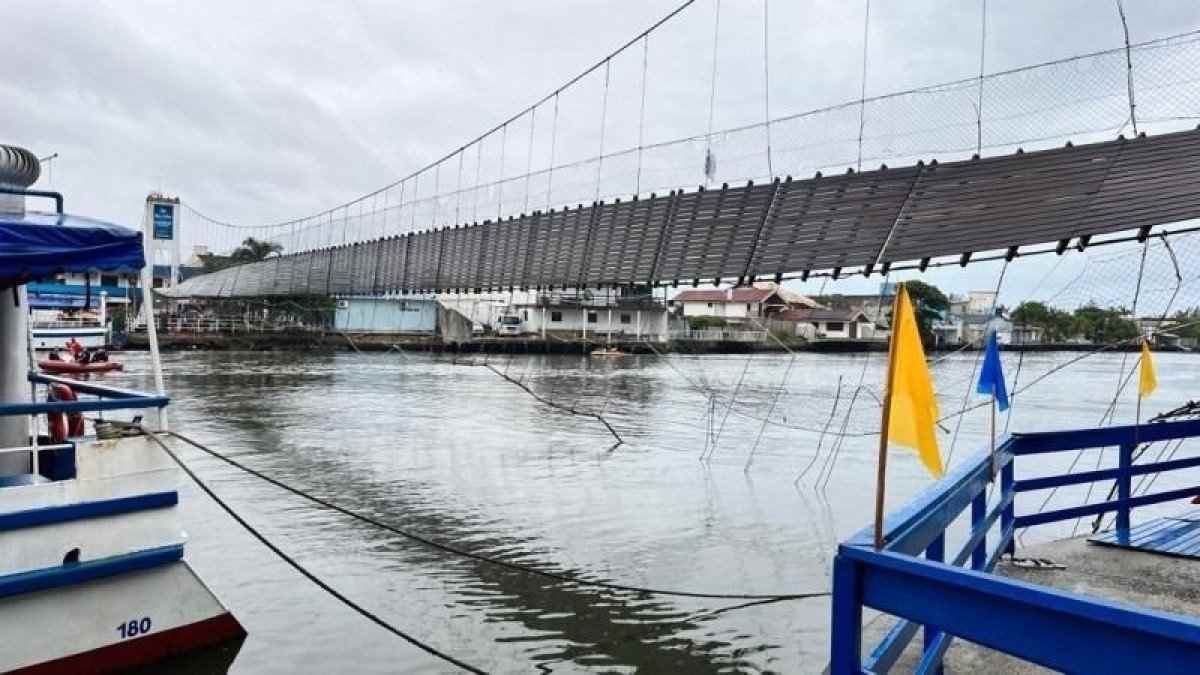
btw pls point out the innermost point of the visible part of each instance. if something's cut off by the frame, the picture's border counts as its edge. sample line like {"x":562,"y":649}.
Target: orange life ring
{"x":62,"y":427}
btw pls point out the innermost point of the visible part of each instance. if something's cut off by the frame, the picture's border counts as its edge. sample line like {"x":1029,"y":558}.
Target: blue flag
{"x":991,"y":378}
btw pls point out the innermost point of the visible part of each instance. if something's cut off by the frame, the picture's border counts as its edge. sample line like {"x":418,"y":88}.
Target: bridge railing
{"x":961,"y":597}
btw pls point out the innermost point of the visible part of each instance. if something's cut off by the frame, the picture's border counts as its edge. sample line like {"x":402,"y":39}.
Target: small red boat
{"x":53,"y":366}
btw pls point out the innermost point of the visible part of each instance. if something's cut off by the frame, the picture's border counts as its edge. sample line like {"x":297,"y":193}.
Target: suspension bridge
{"x":1061,"y":152}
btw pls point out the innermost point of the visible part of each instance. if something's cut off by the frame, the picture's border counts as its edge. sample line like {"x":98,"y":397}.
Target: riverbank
{"x":375,"y":342}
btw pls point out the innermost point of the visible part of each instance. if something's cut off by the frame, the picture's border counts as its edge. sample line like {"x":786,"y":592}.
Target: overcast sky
{"x":262,"y":111}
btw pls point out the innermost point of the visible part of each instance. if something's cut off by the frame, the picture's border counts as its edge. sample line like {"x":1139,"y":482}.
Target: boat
{"x":93,"y":577}
{"x":608,"y":351}
{"x":57,"y":366}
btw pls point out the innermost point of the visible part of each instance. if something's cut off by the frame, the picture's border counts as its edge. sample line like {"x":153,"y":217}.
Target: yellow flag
{"x":1148,"y":381}
{"x":913,"y":414}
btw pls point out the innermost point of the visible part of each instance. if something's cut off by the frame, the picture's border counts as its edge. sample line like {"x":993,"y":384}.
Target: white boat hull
{"x":114,"y":623}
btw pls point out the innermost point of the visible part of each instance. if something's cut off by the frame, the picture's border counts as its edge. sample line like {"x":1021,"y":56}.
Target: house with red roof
{"x":745,"y":304}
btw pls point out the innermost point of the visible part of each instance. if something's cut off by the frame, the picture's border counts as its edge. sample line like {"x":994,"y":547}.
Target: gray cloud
{"x":257,"y":112}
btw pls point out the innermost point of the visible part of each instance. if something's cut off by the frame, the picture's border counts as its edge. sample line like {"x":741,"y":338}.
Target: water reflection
{"x":464,"y":457}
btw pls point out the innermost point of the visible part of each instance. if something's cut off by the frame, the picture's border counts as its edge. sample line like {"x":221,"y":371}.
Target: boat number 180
{"x":134,"y":627}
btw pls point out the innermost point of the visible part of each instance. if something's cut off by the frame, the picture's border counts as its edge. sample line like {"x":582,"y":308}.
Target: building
{"x":877,"y":306}
{"x":820,"y":323}
{"x":1024,"y":334}
{"x":609,"y":314}
{"x":746,"y":304}
{"x":392,"y":315}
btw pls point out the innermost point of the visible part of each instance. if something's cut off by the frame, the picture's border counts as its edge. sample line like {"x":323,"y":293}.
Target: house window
{"x":710,"y":305}
{"x":835,"y":326}
{"x":556,"y":316}
{"x":592,"y":318}
{"x":625,"y":318}
{"x":747,"y":307}
{"x":524,"y":315}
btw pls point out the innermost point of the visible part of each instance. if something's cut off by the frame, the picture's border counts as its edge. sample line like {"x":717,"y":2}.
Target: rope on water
{"x":445,"y":548}
{"x":557,"y":406}
{"x":371,"y":616}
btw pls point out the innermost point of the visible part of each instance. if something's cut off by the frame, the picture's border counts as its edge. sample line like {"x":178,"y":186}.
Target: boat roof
{"x":35,"y":245}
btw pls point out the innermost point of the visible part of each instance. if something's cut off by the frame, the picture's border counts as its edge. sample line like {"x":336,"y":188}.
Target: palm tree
{"x":253,"y":250}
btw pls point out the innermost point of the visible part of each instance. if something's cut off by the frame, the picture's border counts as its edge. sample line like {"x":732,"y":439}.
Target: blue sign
{"x":164,"y":221}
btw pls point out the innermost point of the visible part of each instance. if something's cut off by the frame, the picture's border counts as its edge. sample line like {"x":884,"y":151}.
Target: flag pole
{"x":993,"y":476}
{"x":881,"y":466}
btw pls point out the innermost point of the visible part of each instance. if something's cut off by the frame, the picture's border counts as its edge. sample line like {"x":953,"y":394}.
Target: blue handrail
{"x":1045,"y":626}
{"x":111,"y":398}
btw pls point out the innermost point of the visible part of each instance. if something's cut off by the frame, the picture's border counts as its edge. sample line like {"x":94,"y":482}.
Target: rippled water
{"x":457,"y":454}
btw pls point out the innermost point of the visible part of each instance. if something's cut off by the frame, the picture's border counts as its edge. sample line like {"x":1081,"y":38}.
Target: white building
{"x":739,"y":305}
{"x":588,"y":314}
{"x":827,"y":324}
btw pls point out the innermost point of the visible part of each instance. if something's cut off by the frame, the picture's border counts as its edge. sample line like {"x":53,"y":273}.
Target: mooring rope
{"x":371,"y":616}
{"x":446,"y":548}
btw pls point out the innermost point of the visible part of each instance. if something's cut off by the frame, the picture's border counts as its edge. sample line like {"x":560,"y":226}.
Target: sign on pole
{"x":164,"y":221}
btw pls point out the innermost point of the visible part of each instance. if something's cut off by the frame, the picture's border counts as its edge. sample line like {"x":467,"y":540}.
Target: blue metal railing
{"x":1052,"y":628}
{"x":108,"y":398}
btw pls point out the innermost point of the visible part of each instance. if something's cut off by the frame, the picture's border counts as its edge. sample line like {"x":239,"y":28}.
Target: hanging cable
{"x":529,"y":158}
{"x":457,"y":189}
{"x":709,"y":160}
{"x":767,"y":86}
{"x":862,"y":97}
{"x":637,"y":184}
{"x":500,"y":181}
{"x":975,"y":368}
{"x":603,"y":124}
{"x":553,"y":147}
{"x":1128,"y":67}
{"x":979,"y":92}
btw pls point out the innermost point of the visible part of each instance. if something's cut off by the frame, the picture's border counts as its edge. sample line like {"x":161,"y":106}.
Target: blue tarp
{"x":37,"y":245}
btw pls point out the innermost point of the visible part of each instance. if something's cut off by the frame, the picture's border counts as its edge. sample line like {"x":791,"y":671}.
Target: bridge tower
{"x":162,"y":234}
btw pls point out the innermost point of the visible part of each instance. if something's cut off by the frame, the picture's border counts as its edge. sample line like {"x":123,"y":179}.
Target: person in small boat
{"x":74,"y":347}
{"x":83,"y":358}
{"x":54,"y":356}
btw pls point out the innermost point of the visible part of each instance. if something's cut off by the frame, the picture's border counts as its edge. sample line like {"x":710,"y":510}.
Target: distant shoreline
{"x":285,"y":341}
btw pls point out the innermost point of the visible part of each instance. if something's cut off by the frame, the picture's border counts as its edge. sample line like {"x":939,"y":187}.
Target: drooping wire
{"x":499,"y":562}
{"x":975,"y":367}
{"x":292,"y":562}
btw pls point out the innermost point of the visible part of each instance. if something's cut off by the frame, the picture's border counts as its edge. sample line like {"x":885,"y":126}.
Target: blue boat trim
{"x":50,"y":515}
{"x":78,"y":573}
{"x":1057,"y":629}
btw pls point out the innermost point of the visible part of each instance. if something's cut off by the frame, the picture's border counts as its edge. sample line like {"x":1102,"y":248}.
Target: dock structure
{"x":1124,"y":600}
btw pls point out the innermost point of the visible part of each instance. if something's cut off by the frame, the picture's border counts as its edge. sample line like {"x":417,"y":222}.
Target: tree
{"x":251,"y":250}
{"x":1056,"y":324}
{"x":1101,"y":325}
{"x":254,"y":250}
{"x":930,"y":304}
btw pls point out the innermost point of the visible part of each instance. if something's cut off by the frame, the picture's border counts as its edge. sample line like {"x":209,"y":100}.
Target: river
{"x":455,"y":453}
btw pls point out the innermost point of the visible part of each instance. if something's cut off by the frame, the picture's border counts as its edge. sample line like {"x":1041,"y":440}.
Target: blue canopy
{"x":37,"y":245}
